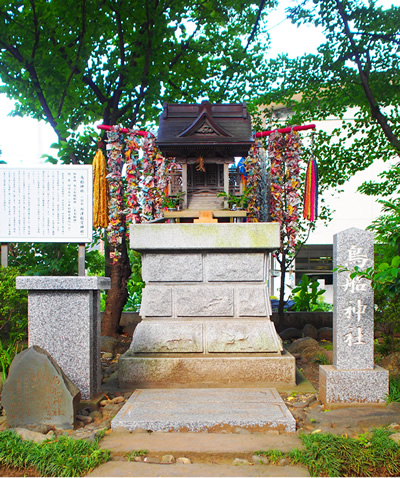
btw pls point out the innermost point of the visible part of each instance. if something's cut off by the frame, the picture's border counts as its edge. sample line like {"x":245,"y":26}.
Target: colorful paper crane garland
{"x":253,"y":170}
{"x":284,"y":153}
{"x":146,"y":178}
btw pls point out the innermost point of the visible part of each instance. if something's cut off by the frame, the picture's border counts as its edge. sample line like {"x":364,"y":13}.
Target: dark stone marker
{"x":38,"y":392}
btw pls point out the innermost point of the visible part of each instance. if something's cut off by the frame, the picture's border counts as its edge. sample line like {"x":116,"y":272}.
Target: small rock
{"x":103,"y":403}
{"x":325,"y":333}
{"x":315,"y":404}
{"x":85,"y":412}
{"x":307,"y":347}
{"x":39,"y":428}
{"x":260,"y":459}
{"x":183,"y":461}
{"x":118,"y":400}
{"x":284,"y":462}
{"x":392,"y":363}
{"x":394,"y":406}
{"x":168,"y":459}
{"x":240,"y":461}
{"x":108,"y":345}
{"x":318,"y":430}
{"x":310,"y":331}
{"x":111,"y":410}
{"x":299,"y":404}
{"x":137,"y":458}
{"x":311,"y":400}
{"x":51,"y":435}
{"x":395,"y":437}
{"x":84,"y":419}
{"x":96,"y":415}
{"x":290,"y":333}
{"x":30,"y":435}
{"x":299,"y":415}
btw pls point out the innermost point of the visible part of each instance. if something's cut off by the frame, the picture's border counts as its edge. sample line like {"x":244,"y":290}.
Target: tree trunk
{"x":118,"y":293}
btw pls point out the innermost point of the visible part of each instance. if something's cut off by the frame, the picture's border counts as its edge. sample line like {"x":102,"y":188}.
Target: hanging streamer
{"x":100,"y":190}
{"x":310,"y":210}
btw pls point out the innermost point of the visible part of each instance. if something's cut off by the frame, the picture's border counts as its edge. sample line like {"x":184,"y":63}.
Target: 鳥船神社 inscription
{"x":354,"y":302}
{"x":50,"y":203}
{"x":353,"y":377}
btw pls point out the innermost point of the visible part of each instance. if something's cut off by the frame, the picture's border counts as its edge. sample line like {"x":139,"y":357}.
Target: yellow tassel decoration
{"x":100,"y":191}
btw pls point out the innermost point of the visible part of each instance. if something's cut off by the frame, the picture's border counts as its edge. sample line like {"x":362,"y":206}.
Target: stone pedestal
{"x":64,"y":320}
{"x":352,"y":387}
{"x":353,"y":378}
{"x":205,"y":307}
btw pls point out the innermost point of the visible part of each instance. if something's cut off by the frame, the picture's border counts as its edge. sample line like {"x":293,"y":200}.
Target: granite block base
{"x":338,"y":388}
{"x":213,"y":410}
{"x":198,"y":370}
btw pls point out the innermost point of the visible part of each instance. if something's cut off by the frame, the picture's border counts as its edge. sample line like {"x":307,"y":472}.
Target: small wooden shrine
{"x":204,"y":138}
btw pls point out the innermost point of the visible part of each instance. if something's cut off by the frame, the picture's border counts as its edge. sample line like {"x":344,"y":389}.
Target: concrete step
{"x":129,"y":468}
{"x":211,"y":454}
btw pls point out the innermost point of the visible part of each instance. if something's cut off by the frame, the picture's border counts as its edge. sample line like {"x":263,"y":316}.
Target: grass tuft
{"x":62,"y":457}
{"x":394,"y":390}
{"x":131,"y":455}
{"x":371,"y":454}
{"x":273,"y":455}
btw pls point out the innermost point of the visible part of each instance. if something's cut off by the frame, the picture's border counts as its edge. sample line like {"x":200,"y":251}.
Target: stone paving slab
{"x":126,"y":468}
{"x":119,"y":442}
{"x":205,"y":409}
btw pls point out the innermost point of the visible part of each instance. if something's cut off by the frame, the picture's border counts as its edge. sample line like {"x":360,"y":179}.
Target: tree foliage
{"x":355,"y":72}
{"x":74,"y":62}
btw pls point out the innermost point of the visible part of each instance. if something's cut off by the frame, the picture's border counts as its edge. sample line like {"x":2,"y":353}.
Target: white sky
{"x":24,"y":140}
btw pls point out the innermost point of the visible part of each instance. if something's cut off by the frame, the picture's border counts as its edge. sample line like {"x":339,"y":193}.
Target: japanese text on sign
{"x":355,"y":311}
{"x":50,"y":204}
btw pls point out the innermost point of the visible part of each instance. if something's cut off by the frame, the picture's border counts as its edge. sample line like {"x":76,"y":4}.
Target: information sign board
{"x":46,"y":204}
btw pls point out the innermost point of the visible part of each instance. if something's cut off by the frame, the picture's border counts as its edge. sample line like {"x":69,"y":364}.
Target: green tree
{"x":74,"y":62}
{"x":357,"y":67}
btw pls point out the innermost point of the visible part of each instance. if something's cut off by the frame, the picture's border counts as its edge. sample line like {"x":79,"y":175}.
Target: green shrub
{"x":13,"y":307}
{"x":306,"y":295}
{"x":13,"y":318}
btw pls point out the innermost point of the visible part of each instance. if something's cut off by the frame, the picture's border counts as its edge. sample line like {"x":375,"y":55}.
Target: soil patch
{"x":9,"y":471}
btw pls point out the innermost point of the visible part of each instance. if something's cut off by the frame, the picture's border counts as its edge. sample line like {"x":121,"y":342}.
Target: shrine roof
{"x":191,"y":128}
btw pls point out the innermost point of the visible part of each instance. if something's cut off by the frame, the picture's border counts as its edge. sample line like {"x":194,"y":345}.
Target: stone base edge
{"x":343,"y":388}
{"x":165,"y":372}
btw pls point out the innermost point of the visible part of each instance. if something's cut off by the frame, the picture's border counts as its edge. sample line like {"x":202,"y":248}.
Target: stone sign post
{"x":64,"y":320}
{"x":353,"y":377}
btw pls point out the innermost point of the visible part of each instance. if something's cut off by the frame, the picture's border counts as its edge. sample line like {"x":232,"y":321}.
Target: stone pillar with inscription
{"x":353,"y":378}
{"x":64,"y":320}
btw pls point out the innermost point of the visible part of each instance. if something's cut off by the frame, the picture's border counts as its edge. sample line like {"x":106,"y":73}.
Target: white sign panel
{"x":46,"y":204}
